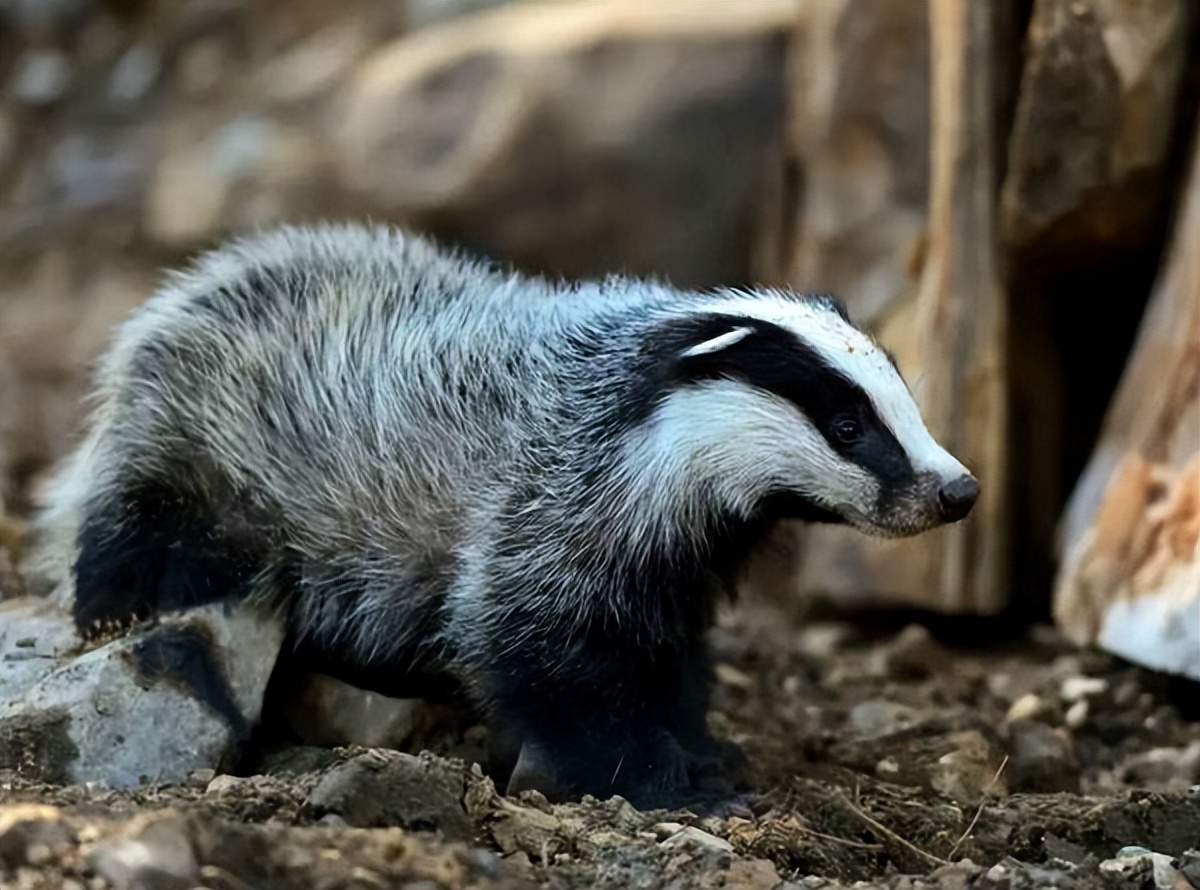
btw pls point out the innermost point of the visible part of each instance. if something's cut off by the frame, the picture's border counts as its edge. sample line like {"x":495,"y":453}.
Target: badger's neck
{"x":664,"y":553}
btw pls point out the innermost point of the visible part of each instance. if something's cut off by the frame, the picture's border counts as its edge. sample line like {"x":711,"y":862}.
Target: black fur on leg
{"x":156,"y":549}
{"x":596,"y":716}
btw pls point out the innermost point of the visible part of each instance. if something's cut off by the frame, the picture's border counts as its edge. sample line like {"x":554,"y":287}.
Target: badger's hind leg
{"x":152,"y":547}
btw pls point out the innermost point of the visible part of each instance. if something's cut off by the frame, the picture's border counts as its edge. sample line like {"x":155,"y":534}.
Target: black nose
{"x":957,"y":497}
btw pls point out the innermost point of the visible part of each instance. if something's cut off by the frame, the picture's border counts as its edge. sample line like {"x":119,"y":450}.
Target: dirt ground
{"x":881,"y":754}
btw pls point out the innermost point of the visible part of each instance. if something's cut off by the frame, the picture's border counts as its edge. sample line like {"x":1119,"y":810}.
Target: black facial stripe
{"x":777,"y":361}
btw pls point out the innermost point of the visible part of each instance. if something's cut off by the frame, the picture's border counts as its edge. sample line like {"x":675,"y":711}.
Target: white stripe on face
{"x":725,"y":440}
{"x":855,"y":355}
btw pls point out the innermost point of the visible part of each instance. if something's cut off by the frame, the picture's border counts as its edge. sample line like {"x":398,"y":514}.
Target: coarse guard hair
{"x":433,"y":467}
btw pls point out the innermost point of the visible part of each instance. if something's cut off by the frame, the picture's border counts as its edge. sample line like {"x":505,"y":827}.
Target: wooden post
{"x":961,"y":317}
{"x":1130,"y":575}
{"x":954,"y":336}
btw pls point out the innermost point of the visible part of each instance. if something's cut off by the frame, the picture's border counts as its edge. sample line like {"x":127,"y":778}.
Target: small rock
{"x":913,"y":655}
{"x":222,"y":784}
{"x":691,"y":835}
{"x":752,"y":874}
{"x":728,"y":675}
{"x":822,"y":641}
{"x":134,"y":73}
{"x":1173,"y":768}
{"x":520,"y":859}
{"x":1131,"y":861}
{"x":1032,"y":706}
{"x":1188,"y":864}
{"x":520,"y":829}
{"x":31,"y":833}
{"x":1077,"y":714}
{"x":1075,"y":689}
{"x":887,"y":768}
{"x":41,"y":77}
{"x":383,"y":788}
{"x":158,"y":856}
{"x":1041,"y":759}
{"x":201,"y":778}
{"x":664,"y":830}
{"x":969,"y":771}
{"x":878,"y":717}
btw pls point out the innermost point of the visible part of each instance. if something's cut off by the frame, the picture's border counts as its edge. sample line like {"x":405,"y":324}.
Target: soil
{"x":879,"y":752}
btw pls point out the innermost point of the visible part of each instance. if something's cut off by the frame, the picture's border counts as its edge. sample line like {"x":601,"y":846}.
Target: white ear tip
{"x":724,"y":341}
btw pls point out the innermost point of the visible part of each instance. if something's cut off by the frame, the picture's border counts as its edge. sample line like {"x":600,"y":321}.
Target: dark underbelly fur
{"x":609,"y":712}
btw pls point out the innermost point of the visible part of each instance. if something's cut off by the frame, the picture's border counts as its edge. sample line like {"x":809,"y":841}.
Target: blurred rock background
{"x":1001,"y":191}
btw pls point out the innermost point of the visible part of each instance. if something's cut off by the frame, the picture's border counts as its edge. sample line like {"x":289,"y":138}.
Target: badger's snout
{"x":957,"y":497}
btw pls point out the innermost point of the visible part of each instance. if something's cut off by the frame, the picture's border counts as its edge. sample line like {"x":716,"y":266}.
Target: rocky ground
{"x":881,"y":755}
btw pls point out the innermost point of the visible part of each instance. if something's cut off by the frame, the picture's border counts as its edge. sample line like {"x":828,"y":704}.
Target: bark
{"x":1130,"y":577}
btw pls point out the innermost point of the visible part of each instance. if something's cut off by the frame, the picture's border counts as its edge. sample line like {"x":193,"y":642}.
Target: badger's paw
{"x":647,"y":771}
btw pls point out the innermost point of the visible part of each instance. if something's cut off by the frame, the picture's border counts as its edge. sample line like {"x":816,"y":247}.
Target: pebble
{"x":887,"y":768}
{"x":691,"y":835}
{"x":158,"y":855}
{"x":1041,"y":759}
{"x":913,"y":655}
{"x":663,"y":830}
{"x":222,"y":784}
{"x":134,"y":74}
{"x":878,"y":717}
{"x":1030,"y":706}
{"x":201,"y":778}
{"x":41,"y":77}
{"x":1074,"y":689}
{"x":386,"y":788}
{"x":1188,"y":864}
{"x":1164,"y":766}
{"x":728,"y":675}
{"x":969,"y":771}
{"x":31,"y":834}
{"x":752,"y":874}
{"x":1133,"y":859}
{"x":1077,"y":714}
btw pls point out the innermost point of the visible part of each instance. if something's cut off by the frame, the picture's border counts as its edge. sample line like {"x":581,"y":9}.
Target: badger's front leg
{"x":593,"y":715}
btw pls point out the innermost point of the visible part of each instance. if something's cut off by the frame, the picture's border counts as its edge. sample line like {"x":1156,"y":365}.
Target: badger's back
{"x":323,"y":403}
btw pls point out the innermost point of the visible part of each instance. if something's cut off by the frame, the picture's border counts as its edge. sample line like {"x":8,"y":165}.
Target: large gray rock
{"x":579,"y":138}
{"x":35,"y":635}
{"x":150,"y":706}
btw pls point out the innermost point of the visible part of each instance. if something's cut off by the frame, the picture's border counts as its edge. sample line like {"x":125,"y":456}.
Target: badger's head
{"x":776,"y":402}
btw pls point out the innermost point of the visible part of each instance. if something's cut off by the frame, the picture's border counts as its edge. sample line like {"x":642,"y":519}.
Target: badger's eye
{"x":847,"y":429}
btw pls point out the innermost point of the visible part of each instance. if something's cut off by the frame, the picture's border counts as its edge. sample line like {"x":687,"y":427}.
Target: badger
{"x":433,"y":466}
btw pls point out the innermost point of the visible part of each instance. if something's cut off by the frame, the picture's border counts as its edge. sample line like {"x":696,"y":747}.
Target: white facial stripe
{"x":896,"y":408}
{"x":724,"y":341}
{"x":853,"y":353}
{"x":738,"y":444}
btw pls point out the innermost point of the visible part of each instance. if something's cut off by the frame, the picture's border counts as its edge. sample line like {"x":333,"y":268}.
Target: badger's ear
{"x":717,"y":343}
